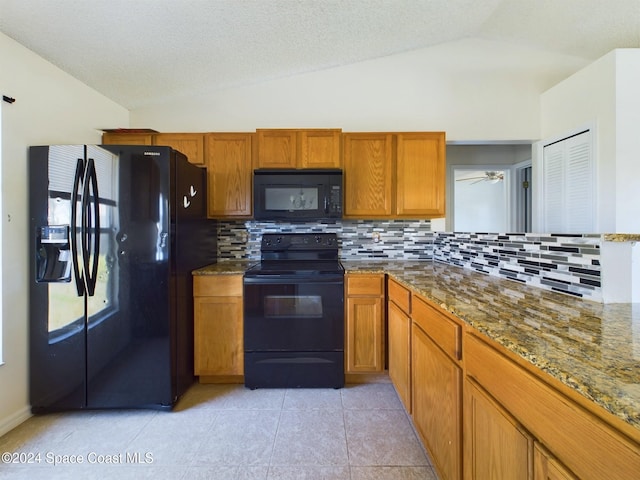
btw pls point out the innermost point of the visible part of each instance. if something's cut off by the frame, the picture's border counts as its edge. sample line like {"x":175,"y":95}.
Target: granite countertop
{"x":591,"y":347}
{"x":226,"y":267}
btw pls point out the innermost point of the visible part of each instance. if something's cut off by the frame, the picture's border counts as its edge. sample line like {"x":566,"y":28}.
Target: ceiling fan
{"x":491,"y":176}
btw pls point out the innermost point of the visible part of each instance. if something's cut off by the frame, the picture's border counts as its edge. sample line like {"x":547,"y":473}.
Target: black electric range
{"x":294,"y":313}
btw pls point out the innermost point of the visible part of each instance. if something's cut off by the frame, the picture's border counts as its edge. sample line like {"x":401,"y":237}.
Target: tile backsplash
{"x":396,"y":238}
{"x":565,"y":263}
{"x":568,"y":264}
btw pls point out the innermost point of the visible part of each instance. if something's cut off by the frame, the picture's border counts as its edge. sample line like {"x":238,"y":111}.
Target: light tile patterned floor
{"x":226,"y":432}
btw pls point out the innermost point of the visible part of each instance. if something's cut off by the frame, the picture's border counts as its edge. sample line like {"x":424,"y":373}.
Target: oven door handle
{"x":288,"y":280}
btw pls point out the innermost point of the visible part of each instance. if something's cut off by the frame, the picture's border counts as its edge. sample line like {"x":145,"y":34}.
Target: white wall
{"x":604,"y":94}
{"x":472,"y":89}
{"x":627,"y":123}
{"x":51,"y":107}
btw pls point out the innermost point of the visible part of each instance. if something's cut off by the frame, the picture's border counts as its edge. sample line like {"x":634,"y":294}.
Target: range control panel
{"x":298,"y":241}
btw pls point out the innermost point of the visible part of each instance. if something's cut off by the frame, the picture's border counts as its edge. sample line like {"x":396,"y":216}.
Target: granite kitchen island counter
{"x":592,"y":348}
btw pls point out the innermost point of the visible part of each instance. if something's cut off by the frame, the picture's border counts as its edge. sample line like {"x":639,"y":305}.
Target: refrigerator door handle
{"x":77,"y":180}
{"x":91,"y":227}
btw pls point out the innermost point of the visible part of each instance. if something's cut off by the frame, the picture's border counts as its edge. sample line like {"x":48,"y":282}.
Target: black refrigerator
{"x":115,"y":233}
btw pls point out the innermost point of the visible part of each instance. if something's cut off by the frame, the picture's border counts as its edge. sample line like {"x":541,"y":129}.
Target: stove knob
{"x":279,"y":240}
{"x":318,"y":239}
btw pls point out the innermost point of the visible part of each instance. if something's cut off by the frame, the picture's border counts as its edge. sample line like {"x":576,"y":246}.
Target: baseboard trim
{"x":221,"y":379}
{"x":12,"y":421}
{"x":355,"y":378}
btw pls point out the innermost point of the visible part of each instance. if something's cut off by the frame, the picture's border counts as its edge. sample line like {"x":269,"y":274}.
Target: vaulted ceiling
{"x":140,"y":52}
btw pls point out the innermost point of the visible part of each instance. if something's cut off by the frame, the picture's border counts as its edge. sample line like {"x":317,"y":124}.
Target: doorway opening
{"x":481,"y":199}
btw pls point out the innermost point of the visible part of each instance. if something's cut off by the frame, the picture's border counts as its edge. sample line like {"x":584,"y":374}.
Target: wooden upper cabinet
{"x":294,"y":148}
{"x":276,"y":148}
{"x":191,"y":144}
{"x":420,"y":183}
{"x":368,"y":161}
{"x":127,"y":138}
{"x":229,"y":174}
{"x":394,"y":175}
{"x":319,"y":148}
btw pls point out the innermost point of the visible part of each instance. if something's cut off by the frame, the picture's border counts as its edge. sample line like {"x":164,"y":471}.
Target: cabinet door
{"x":319,"y":149}
{"x":399,"y":338}
{"x":437,"y":404}
{"x":495,"y":447}
{"x":218,"y":336}
{"x":364,"y":335}
{"x":368,"y":178}
{"x":191,"y":144}
{"x":588,"y":446}
{"x":126,"y":138}
{"x":420,"y":169}
{"x":546,"y":467}
{"x":276,"y":148}
{"x":229,"y":174}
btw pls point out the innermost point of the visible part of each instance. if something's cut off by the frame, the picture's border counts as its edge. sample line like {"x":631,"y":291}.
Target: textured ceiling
{"x":140,"y":52}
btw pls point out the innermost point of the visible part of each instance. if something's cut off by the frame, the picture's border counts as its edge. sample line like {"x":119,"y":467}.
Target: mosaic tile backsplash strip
{"x":396,"y":238}
{"x":565,"y":263}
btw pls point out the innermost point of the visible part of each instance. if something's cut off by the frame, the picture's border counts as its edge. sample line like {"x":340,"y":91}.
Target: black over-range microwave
{"x":303,"y":194}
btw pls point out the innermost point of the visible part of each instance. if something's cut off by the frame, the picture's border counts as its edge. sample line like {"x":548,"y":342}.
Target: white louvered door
{"x":569,"y":185}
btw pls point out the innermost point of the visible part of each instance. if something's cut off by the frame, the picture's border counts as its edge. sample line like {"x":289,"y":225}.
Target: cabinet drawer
{"x":399,"y":295}
{"x":365,"y":284}
{"x":217,"y":285}
{"x":576,"y":437}
{"x":445,"y":332}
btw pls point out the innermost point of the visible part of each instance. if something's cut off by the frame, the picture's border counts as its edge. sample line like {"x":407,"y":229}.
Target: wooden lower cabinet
{"x":482,"y":411}
{"x":218,"y":328}
{"x":580,"y":441}
{"x":545,"y":467}
{"x":436,"y":382}
{"x":399,"y":340}
{"x":364,"y":325}
{"x":496,"y":447}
